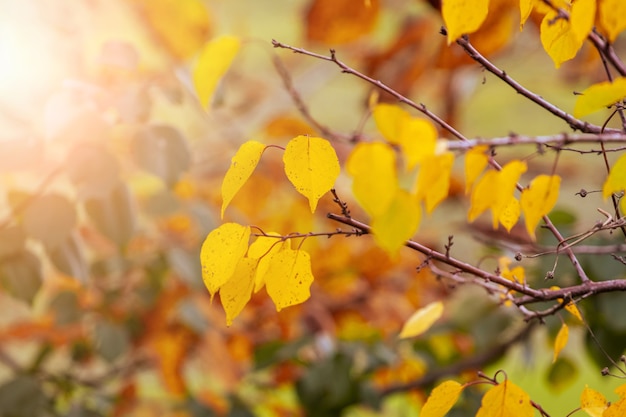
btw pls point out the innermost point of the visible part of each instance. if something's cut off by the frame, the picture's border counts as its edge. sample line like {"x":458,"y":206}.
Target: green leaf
{"x":114,"y":215}
{"x":23,"y":396}
{"x":21,"y":275}
{"x":112,"y":340}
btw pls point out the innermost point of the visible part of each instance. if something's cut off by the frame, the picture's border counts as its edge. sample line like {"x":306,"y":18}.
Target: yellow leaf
{"x":538,"y":199}
{"x":221,"y":251}
{"x":570,"y":307}
{"x":506,"y":400}
{"x":422,"y":320}
{"x":475,"y":162}
{"x":289,"y":277}
{"x":573,"y":310}
{"x":312,"y":166}
{"x":418,"y":141}
{"x":616,"y":181}
{"x":262,"y":249}
{"x":593,"y":402}
{"x":389,"y":120}
{"x":397,"y":225}
{"x":213,"y":62}
{"x":433,"y":180}
{"x":373,"y":170}
{"x":441,"y":399}
{"x":600,"y":96}
{"x":463,"y":16}
{"x":525,"y":8}
{"x":241,"y":167}
{"x":495,"y":190}
{"x":612,"y":17}
{"x":510,"y":214}
{"x":562,"y":38}
{"x":617,"y":408}
{"x":236,"y":292}
{"x":517,"y":274}
{"x":560,"y":341}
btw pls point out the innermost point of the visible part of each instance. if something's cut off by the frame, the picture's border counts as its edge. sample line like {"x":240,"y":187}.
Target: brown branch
{"x":556,"y":141}
{"x":377,"y":83}
{"x":520,"y":89}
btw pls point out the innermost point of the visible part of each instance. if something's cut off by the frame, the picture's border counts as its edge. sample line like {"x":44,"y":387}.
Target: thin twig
{"x":348,"y":70}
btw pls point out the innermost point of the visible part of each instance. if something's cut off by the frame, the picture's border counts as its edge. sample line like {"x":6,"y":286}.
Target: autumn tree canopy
{"x":316,"y":208}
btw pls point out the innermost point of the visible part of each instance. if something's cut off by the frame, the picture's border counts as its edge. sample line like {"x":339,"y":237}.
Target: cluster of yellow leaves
{"x":236,"y":269}
{"x":564,"y":27}
{"x":504,"y":399}
{"x":495,"y":191}
{"x":233,"y":267}
{"x":396,"y":213}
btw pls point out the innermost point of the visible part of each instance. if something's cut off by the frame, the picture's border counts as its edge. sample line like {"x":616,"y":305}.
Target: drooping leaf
{"x":236,"y":292}
{"x":612,"y":17}
{"x":422,"y":320}
{"x":495,"y":190}
{"x":463,"y":16}
{"x":418,"y":141}
{"x":441,"y":399}
{"x":525,"y":8}
{"x":573,"y":310}
{"x":312,"y":166}
{"x":510,"y":214}
{"x":433,"y":180}
{"x":213,"y":62}
{"x":561,"y":340}
{"x":600,"y":96}
{"x":389,"y":120}
{"x":262,"y":249}
{"x":397,"y":225}
{"x":416,"y":137}
{"x":289,"y":277}
{"x":593,"y":402}
{"x":517,"y":274}
{"x":476,"y":161}
{"x":221,"y":251}
{"x":373,"y":170}
{"x":506,"y":400}
{"x":335,"y":22}
{"x":616,"y":181}
{"x":241,"y":167}
{"x":538,"y":199}
{"x":562,"y":38}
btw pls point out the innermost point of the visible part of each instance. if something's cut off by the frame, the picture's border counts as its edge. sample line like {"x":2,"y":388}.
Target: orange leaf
{"x":340,"y":21}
